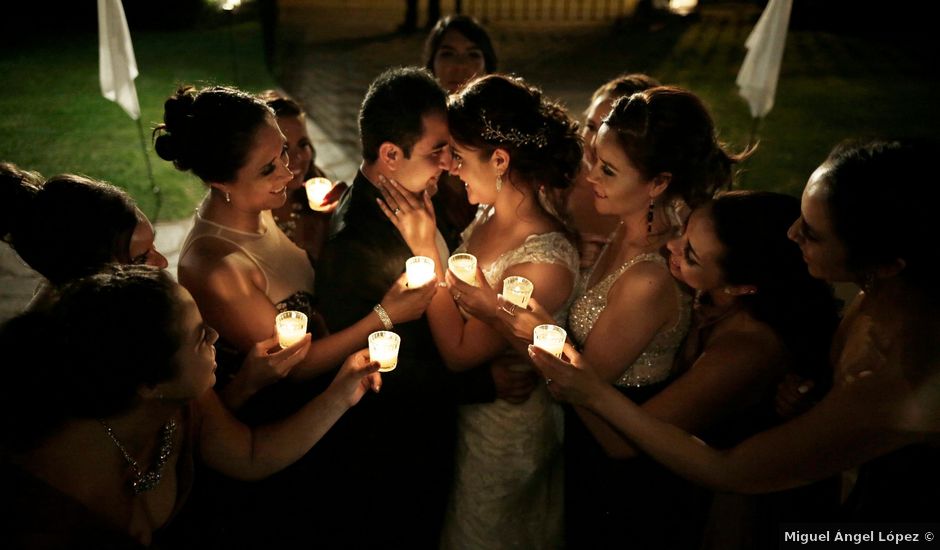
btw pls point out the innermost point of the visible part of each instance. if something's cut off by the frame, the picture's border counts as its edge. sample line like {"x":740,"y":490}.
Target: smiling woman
{"x":242,"y":270}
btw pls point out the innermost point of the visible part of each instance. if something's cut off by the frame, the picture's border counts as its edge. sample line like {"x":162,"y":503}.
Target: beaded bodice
{"x":654,"y":364}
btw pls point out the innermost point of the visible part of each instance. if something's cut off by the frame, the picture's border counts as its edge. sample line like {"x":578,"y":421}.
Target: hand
{"x":478,"y":301}
{"x":407,"y":304}
{"x":590,"y":248}
{"x":331,"y":200}
{"x":522,"y":321}
{"x":512,"y":383}
{"x":266,"y":362}
{"x":793,"y":396}
{"x":412,"y":216}
{"x":357,"y":375}
{"x":573,"y":381}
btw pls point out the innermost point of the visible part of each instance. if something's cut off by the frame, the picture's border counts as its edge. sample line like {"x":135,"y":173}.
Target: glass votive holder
{"x":419,"y":270}
{"x":551,"y":338}
{"x":291,"y":327}
{"x":517,"y":290}
{"x":464,"y":267}
{"x":383,"y":348}
{"x":317,"y":189}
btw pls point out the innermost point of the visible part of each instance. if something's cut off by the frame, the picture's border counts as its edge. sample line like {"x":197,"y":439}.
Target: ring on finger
{"x":396,"y":211}
{"x":457,"y":296}
{"x":510,"y":309}
{"x":548,"y":381}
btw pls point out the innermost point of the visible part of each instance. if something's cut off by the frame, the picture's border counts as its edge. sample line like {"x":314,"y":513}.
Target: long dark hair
{"x":752,"y":228}
{"x":105,"y":337}
{"x":471,"y":29}
{"x":883,"y":206}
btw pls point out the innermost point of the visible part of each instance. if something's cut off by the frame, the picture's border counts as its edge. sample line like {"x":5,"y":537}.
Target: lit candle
{"x":551,"y":338}
{"x":517,"y":290}
{"x":317,"y":188}
{"x":464,"y":267}
{"x":419,"y":270}
{"x":291,"y":327}
{"x":383,"y":347}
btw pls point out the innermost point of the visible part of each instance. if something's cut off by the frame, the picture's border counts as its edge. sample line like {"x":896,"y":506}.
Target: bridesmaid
{"x":882,"y":414}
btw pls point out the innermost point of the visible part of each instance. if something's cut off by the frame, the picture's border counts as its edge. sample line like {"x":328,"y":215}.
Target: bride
{"x":514,"y":151}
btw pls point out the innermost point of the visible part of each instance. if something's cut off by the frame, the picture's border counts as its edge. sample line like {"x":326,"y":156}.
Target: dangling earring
{"x":649,"y":217}
{"x":227,"y":197}
{"x":499,"y":183}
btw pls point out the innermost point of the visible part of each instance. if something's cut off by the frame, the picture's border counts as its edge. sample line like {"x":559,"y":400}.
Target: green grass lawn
{"x":54,"y":119}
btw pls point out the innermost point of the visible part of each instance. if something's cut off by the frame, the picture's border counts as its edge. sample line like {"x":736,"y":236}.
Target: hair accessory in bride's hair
{"x":514,"y":136}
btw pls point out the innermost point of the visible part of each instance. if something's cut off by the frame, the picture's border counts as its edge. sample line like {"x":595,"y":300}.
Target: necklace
{"x":145,"y":481}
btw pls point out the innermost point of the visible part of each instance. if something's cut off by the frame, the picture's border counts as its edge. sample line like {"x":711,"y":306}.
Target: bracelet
{"x":383,"y":316}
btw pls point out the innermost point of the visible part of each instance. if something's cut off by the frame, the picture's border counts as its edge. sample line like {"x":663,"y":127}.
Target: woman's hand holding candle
{"x":357,"y":375}
{"x":478,"y":301}
{"x":404,"y":303}
{"x":522,"y":321}
{"x":266,"y":363}
{"x":572,"y":381}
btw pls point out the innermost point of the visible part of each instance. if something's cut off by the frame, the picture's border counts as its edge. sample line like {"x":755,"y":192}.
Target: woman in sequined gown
{"x":867,"y":218}
{"x":655,"y":154}
{"x":508,"y":144}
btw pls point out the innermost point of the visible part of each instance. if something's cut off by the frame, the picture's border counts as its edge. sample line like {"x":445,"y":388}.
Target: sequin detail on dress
{"x":655,"y":362}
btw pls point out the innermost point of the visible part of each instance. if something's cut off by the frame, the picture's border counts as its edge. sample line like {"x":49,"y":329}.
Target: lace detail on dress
{"x":508,"y":490}
{"x":655,"y":362}
{"x":543,"y":248}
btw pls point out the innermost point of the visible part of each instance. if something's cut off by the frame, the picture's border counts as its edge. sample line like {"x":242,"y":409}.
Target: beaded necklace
{"x":145,"y":481}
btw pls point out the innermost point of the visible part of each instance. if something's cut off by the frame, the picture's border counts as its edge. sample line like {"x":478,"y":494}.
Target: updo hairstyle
{"x":498,"y":111}
{"x":668,"y":129}
{"x":210,"y":131}
{"x":67,"y":227}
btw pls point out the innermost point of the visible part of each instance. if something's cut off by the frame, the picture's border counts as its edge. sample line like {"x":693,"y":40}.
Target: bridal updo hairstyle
{"x":669,"y":130}
{"x":66,"y":227}
{"x":210,"y":131}
{"x":105,"y":336}
{"x":502,"y":112}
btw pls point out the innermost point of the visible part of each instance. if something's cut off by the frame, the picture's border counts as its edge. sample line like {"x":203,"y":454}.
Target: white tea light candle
{"x":419,"y":270}
{"x":551,"y":338}
{"x":317,"y":188}
{"x":291,"y":327}
{"x":464,"y":267}
{"x":517,"y":290}
{"x":383,"y":348}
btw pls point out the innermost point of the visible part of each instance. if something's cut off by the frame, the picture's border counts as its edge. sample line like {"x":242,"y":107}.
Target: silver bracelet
{"x":383,"y":316}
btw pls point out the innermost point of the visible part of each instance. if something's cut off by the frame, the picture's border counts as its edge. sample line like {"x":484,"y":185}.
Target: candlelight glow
{"x":551,"y":338}
{"x":383,"y":348}
{"x":419,"y":270}
{"x":464,"y":266}
{"x":317,"y":189}
{"x":518,"y":290}
{"x":291,"y":327}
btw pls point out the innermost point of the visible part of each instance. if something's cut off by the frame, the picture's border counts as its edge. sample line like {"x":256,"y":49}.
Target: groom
{"x":389,"y":460}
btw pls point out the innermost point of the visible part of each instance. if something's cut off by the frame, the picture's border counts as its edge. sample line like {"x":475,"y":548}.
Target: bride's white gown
{"x":508,"y":481}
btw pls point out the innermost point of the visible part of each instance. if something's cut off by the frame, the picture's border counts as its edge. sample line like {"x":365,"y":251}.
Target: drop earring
{"x":499,"y":183}
{"x":649,"y":217}
{"x":227,"y":197}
